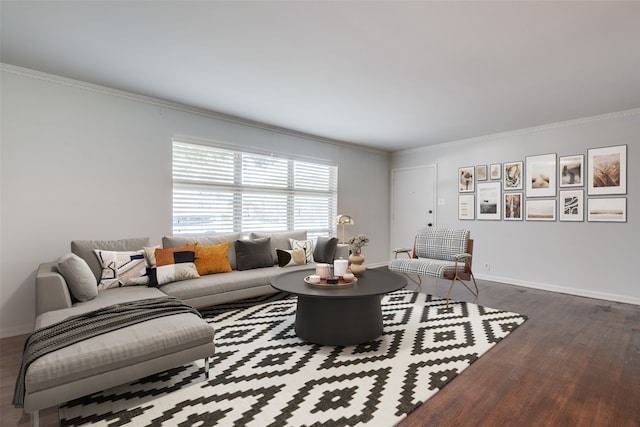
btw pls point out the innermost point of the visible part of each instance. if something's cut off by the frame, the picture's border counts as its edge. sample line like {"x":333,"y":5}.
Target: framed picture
{"x":466,"y":206}
{"x":541,"y":210}
{"x":572,"y":205}
{"x":607,"y":210}
{"x":481,"y":173}
{"x":541,"y":175}
{"x":512,"y":176}
{"x":465,"y":179}
{"x":496,"y":168}
{"x":488,"y":201}
{"x":512,"y":206}
{"x":607,"y":170}
{"x":572,"y":171}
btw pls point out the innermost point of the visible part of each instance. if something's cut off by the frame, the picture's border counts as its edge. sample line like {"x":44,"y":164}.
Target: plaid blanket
{"x":84,"y":326}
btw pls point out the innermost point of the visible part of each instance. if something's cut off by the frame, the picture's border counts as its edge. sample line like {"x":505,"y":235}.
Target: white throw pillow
{"x":306,"y":245}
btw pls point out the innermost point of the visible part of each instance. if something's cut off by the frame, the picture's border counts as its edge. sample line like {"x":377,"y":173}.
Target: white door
{"x":413,"y":203}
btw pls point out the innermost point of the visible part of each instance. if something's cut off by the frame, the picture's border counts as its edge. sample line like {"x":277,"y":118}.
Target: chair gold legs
{"x":453,"y":282}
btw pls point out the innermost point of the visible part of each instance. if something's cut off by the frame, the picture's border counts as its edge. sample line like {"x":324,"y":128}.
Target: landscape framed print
{"x":571,"y":205}
{"x":541,"y":175}
{"x":466,"y":206}
{"x":488,"y":201}
{"x":495,"y":171}
{"x":481,"y":173}
{"x":572,"y":171}
{"x":607,"y":210}
{"x":541,"y":210}
{"x":512,"y":176}
{"x":607,"y":170}
{"x":512,"y":206}
{"x":466,"y":179}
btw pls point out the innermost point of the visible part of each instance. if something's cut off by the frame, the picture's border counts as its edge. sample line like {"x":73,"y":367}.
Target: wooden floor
{"x":575,"y":362}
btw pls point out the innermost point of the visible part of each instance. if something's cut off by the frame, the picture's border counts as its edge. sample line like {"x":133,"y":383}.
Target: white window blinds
{"x":217,"y":190}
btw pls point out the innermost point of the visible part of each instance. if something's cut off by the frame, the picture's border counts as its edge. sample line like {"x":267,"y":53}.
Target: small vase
{"x":356,"y":260}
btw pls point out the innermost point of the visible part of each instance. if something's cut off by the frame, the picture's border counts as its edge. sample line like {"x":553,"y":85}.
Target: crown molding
{"x":518,"y":132}
{"x":78,"y":84}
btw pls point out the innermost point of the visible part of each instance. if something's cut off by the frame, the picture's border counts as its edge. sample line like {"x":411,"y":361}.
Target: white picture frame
{"x":488,"y":201}
{"x":571,"y":205}
{"x":512,"y":209}
{"x":541,"y":171}
{"x":541,"y":210}
{"x":466,"y":207}
{"x":610,"y":209}
{"x":466,"y":179}
{"x":495,"y":171}
{"x":607,"y":170}
{"x":512,"y":176}
{"x":571,"y":171}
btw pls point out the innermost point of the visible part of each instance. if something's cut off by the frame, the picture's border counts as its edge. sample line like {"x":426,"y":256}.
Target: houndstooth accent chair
{"x":442,"y":253}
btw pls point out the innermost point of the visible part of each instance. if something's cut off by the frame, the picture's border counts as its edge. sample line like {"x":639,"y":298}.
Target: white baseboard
{"x":561,"y":289}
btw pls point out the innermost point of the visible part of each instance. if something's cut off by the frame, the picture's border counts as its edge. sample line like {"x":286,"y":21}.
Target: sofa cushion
{"x":306,"y":245}
{"x":84,"y":249}
{"x":253,"y":253}
{"x":206,"y":240}
{"x":291,"y":257}
{"x":122,"y":268}
{"x":173,"y":265}
{"x":325,"y":249}
{"x":213,"y":259}
{"x":79,"y":277}
{"x":280,"y":240}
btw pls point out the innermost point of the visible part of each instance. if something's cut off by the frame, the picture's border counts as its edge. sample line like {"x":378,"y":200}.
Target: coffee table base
{"x":339,"y":321}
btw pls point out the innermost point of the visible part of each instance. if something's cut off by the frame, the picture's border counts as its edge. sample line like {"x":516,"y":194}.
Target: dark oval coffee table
{"x":342,"y":317}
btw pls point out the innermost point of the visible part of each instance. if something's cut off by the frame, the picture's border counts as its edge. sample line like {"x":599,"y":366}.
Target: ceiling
{"x":390,"y":75}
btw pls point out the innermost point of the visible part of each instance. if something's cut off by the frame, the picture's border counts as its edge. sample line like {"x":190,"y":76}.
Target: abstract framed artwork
{"x":488,"y":201}
{"x":466,"y":206}
{"x":571,"y":205}
{"x":607,"y":170}
{"x":572,"y":171}
{"x":481,"y":173}
{"x":541,"y":175}
{"x":607,"y":210}
{"x":541,"y":210}
{"x":512,"y":176}
{"x":512,"y":206}
{"x":466,"y":179}
{"x":495,"y":171}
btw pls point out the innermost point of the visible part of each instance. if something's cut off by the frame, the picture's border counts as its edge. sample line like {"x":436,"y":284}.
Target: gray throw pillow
{"x":254,"y":253}
{"x":325,"y":249}
{"x":79,"y":277}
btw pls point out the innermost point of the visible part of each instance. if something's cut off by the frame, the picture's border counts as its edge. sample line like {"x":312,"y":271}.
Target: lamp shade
{"x":344,"y":219}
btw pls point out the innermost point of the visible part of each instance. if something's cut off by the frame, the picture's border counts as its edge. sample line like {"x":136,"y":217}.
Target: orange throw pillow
{"x":166,"y":257}
{"x":213,"y":259}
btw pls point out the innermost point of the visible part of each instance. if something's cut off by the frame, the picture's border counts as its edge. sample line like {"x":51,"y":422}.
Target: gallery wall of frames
{"x":547,"y":187}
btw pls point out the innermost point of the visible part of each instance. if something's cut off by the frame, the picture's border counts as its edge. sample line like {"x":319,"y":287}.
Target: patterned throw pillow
{"x":213,"y":259}
{"x":290,"y":257}
{"x":173,"y":264}
{"x":122,"y":268}
{"x":306,"y":245}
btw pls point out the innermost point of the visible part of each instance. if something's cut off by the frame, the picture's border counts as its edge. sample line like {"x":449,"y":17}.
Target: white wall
{"x":582,"y":258}
{"x":84,"y":162}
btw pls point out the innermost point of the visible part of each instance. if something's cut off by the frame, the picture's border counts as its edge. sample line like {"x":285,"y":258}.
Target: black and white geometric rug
{"x":263,"y":375}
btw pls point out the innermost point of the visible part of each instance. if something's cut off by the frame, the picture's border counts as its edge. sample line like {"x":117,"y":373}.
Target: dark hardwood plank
{"x":575,"y":362}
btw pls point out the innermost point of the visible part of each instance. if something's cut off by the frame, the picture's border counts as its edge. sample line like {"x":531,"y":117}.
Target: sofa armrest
{"x":52,"y":292}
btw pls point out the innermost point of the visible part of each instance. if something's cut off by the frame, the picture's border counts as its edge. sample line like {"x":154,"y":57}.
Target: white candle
{"x":340,"y":267}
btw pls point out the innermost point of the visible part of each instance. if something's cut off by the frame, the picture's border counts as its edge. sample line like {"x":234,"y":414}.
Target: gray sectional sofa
{"x":141,"y":349}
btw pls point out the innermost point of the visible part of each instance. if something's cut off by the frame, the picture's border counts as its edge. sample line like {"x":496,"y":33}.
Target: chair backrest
{"x":441,"y":243}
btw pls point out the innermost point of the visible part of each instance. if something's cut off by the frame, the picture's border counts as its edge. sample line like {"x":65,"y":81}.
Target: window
{"x":219,"y":190}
